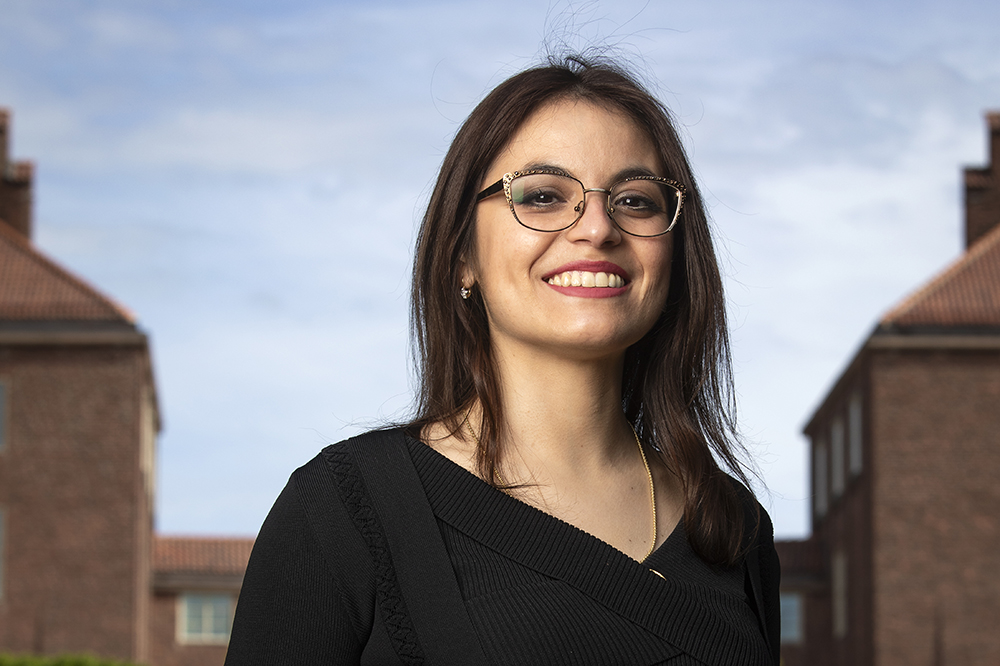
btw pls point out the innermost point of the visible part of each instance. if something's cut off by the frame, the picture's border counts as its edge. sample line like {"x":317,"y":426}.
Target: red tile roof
{"x":33,"y":287}
{"x":201,"y":555}
{"x":965,"y":294}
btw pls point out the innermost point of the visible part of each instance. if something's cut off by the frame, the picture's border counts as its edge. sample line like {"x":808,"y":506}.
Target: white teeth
{"x":587,"y":279}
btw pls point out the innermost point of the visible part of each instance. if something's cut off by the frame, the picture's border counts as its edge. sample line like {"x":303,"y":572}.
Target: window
{"x":821,"y":496}
{"x":838,"y":581}
{"x":792,"y":624}
{"x":837,"y":457}
{"x":3,"y":415}
{"x":204,"y":618}
{"x":855,"y":432}
{"x":147,"y":443}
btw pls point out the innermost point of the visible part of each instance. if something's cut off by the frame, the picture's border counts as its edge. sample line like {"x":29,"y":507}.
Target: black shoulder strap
{"x":421,"y":563}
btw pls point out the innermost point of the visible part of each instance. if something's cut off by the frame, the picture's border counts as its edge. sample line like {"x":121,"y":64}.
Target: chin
{"x":594,"y":348}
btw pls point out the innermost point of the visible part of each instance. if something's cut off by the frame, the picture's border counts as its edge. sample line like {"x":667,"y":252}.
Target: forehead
{"x":590,"y":141}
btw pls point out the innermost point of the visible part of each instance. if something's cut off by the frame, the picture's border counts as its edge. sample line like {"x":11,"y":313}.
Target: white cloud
{"x":213,"y":168}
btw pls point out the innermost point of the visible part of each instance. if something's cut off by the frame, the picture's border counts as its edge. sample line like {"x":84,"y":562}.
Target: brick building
{"x":903,"y":565}
{"x":195,"y":585}
{"x":80,"y":567}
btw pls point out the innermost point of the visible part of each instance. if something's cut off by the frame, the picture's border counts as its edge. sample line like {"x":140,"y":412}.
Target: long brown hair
{"x":677,"y":382}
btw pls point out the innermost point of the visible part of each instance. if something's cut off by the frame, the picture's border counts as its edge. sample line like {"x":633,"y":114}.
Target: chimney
{"x":15,"y":183}
{"x":982,"y":189}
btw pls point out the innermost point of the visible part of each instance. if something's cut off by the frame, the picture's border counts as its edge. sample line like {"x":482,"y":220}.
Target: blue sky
{"x":247,"y":177}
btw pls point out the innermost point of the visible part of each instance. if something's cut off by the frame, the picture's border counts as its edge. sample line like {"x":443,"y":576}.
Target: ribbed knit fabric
{"x":541,"y":591}
{"x":537,"y":590}
{"x":391,"y":605}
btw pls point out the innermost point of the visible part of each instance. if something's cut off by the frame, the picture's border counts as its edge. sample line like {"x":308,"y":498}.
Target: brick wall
{"x":78,"y":516}
{"x":844,"y":532}
{"x":803,"y":568}
{"x":936,"y":500}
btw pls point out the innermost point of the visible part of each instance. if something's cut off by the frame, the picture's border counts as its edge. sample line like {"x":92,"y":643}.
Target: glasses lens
{"x":644,"y":207}
{"x":546,"y":201}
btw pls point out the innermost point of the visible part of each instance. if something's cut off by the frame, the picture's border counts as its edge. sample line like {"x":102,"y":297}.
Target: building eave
{"x":71,"y":333}
{"x":168,"y":582}
{"x":82,"y":333}
{"x":838,"y":384}
{"x":942,"y":339}
{"x":887,"y":338}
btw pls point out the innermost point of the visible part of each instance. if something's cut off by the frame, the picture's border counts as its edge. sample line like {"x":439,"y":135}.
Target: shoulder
{"x":757,"y":523}
{"x":341,"y":458}
{"x":328,"y":492}
{"x":383,"y":438}
{"x":311,"y":578}
{"x":349,"y":461}
{"x":334,"y":478}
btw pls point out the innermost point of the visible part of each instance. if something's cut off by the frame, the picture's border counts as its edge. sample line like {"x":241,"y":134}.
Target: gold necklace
{"x":645,"y":463}
{"x":652,"y":492}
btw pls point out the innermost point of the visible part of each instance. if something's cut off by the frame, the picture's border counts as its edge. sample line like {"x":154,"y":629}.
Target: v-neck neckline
{"x":664,"y":605}
{"x":474,"y":480}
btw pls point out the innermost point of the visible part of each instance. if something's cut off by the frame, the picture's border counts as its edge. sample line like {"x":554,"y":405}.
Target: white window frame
{"x":204,"y":638}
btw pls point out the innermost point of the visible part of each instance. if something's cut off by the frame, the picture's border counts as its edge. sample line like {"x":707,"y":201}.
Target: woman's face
{"x":519,"y":272}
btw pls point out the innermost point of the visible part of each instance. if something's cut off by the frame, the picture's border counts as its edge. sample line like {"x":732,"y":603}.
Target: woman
{"x":556,"y":500}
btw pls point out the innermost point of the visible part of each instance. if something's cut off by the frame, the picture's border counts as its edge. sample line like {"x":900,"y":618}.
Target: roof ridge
{"x":200,"y":554}
{"x":22,"y":244}
{"x":942,"y":279}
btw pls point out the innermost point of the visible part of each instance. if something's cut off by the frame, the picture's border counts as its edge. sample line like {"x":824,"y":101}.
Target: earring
{"x":465,"y":292}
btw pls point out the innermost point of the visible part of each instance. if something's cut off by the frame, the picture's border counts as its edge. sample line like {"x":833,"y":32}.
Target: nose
{"x":595,"y":224}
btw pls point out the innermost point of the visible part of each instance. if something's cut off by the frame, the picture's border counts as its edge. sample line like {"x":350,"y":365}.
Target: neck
{"x":563,"y":413}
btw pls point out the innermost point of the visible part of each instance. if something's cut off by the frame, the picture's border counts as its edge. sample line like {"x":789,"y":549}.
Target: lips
{"x":589,"y":275}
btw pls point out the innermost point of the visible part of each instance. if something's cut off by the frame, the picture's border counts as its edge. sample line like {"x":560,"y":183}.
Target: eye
{"x":541,"y":198}
{"x":636,"y":204}
{"x":544,"y":193}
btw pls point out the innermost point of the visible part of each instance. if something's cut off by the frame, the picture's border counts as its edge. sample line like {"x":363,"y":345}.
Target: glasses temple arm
{"x":491,"y":190}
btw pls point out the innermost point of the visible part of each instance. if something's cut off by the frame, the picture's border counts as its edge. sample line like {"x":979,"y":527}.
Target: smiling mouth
{"x":587,"y":279}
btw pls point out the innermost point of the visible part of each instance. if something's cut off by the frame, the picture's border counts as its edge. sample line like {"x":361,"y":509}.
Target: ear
{"x":466,"y":274}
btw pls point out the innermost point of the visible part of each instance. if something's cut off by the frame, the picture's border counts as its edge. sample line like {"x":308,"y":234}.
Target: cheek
{"x":660,"y":263}
{"x":505,"y":255}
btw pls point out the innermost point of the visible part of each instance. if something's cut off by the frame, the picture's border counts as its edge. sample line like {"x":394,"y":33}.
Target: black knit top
{"x":537,"y":590}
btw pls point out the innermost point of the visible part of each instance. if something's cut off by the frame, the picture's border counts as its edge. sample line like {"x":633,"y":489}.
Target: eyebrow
{"x":539,"y":166}
{"x":624,"y":174}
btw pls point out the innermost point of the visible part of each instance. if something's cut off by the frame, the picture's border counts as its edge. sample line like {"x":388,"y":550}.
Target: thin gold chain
{"x":652,"y":492}
{"x":645,"y":463}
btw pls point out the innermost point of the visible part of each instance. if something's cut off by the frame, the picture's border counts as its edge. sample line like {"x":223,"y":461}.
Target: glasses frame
{"x":508,"y":178}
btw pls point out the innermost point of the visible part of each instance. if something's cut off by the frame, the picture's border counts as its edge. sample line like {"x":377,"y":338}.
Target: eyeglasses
{"x":550,"y":201}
